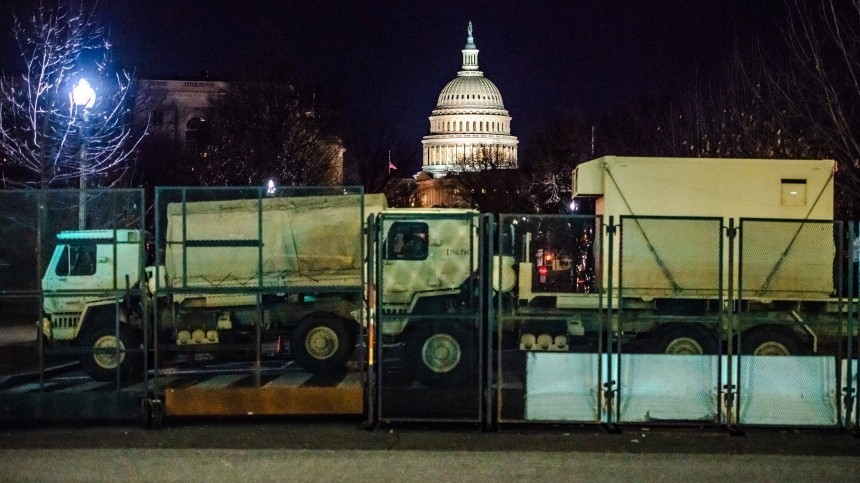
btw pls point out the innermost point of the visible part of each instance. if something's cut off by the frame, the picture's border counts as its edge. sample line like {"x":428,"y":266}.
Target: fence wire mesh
{"x":549,"y":321}
{"x":792,"y":322}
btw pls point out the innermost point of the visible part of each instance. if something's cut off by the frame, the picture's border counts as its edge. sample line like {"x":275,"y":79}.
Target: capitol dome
{"x":470,"y":91}
{"x":470,"y":130}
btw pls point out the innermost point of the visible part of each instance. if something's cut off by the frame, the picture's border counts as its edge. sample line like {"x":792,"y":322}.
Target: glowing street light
{"x":83,"y":97}
{"x":83,"y":94}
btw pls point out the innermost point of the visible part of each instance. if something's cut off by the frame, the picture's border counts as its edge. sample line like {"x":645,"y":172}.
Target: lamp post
{"x":83,"y":96}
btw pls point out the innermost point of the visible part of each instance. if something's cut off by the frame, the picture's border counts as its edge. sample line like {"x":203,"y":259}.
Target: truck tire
{"x":683,"y":339}
{"x":441,"y":356}
{"x":102,"y":366}
{"x":323,"y":344}
{"x":772,"y":340}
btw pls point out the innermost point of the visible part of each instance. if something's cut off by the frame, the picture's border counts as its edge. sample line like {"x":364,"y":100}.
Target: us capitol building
{"x":470,"y":130}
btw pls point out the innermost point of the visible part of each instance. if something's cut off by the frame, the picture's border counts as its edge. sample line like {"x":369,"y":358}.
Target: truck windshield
{"x":77,"y":260}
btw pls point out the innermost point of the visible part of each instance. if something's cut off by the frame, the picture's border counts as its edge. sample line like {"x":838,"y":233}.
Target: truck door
{"x":72,"y":269}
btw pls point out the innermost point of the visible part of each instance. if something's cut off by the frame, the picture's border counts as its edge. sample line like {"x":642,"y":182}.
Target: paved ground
{"x":302,"y":450}
{"x":17,"y":334}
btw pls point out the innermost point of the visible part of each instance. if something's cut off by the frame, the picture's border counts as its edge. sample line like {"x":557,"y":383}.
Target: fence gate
{"x":429,"y":305}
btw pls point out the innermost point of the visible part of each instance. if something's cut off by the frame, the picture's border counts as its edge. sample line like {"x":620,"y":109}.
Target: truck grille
{"x":64,"y":321}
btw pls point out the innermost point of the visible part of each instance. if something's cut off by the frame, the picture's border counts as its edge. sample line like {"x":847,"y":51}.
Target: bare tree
{"x":262,"y":130}
{"x":377,"y":155}
{"x":484,"y":179}
{"x":820,"y":84}
{"x":45,"y":138}
{"x":799,"y":101}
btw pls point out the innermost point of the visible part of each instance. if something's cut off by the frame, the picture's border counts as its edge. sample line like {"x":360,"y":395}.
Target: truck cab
{"x":85,"y":270}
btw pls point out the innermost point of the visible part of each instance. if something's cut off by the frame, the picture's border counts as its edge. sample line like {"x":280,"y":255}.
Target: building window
{"x":156,"y":118}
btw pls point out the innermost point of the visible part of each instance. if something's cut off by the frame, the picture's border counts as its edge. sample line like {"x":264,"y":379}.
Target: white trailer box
{"x":789,"y":260}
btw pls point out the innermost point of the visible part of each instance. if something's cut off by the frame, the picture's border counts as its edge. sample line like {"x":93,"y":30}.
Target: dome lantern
{"x":470,"y":52}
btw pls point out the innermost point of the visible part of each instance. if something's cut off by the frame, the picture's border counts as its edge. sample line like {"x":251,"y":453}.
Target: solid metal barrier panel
{"x":791,"y":323}
{"x":670,"y":306}
{"x":429,"y":311}
{"x":70,"y":248}
{"x":257,"y":300}
{"x":550,"y":321}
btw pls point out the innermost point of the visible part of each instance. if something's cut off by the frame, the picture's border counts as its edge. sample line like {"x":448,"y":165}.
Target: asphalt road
{"x":311,"y":450}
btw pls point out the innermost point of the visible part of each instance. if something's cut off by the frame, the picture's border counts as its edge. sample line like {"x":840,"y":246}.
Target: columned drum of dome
{"x":470,"y":129}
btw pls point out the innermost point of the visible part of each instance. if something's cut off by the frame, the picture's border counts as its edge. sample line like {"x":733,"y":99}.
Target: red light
{"x":542,"y":271}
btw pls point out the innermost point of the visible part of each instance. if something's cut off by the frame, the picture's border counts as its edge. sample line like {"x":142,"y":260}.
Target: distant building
{"x":470,"y":130}
{"x":177,"y":110}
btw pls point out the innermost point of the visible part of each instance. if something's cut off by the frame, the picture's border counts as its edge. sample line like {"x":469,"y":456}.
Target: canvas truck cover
{"x":788,"y":249}
{"x":313,"y":241}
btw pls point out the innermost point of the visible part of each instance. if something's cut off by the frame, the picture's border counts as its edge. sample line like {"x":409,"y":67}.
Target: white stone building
{"x":470,"y":128}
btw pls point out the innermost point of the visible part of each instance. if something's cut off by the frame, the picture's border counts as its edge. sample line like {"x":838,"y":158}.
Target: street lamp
{"x":84,"y":97}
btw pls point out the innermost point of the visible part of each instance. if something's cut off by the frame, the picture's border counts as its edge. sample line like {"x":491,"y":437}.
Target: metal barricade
{"x":551,"y":364}
{"x":429,"y":310}
{"x":791,"y":323}
{"x":73,"y":337}
{"x":257,"y":300}
{"x":668,"y":335}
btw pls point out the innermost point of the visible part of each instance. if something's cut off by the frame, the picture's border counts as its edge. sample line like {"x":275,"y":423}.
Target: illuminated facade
{"x":470,"y":129}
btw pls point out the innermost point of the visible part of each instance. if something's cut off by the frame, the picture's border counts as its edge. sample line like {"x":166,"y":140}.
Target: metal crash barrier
{"x":65,"y":350}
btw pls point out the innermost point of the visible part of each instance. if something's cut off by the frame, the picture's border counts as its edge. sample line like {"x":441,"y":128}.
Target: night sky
{"x":390,"y":59}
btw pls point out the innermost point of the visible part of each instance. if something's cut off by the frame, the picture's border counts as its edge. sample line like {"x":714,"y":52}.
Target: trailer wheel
{"x":683,"y":339}
{"x":102,"y":363}
{"x":323,"y":344}
{"x":441,"y":356}
{"x":772,"y":340}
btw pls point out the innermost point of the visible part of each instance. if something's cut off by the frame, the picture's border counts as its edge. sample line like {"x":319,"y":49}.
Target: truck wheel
{"x":322,"y":345}
{"x":772,"y":340}
{"x":441,"y":356}
{"x":102,"y":366}
{"x":683,"y":339}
